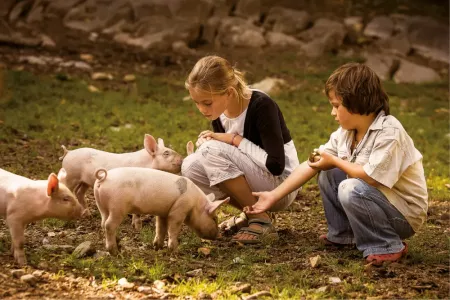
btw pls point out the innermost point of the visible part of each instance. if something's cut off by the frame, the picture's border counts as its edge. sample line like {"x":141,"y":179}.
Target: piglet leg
{"x":161,"y":231}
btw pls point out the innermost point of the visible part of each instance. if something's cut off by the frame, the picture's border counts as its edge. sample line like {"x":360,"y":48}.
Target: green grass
{"x":38,"y":113}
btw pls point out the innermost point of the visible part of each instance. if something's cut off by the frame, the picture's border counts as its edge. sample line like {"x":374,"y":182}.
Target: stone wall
{"x":183,"y":25}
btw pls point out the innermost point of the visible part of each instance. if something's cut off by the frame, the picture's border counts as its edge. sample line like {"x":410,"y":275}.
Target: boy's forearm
{"x":302,"y":174}
{"x":354,"y":171}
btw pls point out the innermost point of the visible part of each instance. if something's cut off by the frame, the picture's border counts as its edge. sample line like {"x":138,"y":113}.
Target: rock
{"x":237,"y":32}
{"x":195,"y":273}
{"x":47,"y":41}
{"x":145,"y":290}
{"x":32,"y":60}
{"x":51,"y":234}
{"x":5,"y":7}
{"x":409,"y":72}
{"x":83,"y":249}
{"x":258,"y":295}
{"x":100,"y":254}
{"x":38,"y":273}
{"x":59,"y":248}
{"x":397,"y":44}
{"x":270,"y":85}
{"x":36,"y":13}
{"x":322,"y":289}
{"x":278,"y":39}
{"x":30,"y":279}
{"x":60,"y":7}
{"x":315,"y":261}
{"x":238,"y":260}
{"x":203,"y":295}
{"x":116,"y":28}
{"x":210,"y":29}
{"x":159,"y":284}
{"x":18,"y":273}
{"x":325,"y":35}
{"x":129,"y":78}
{"x":93,"y":15}
{"x":429,"y":38}
{"x":87,"y":57}
{"x":144,"y":8}
{"x":123,"y":282}
{"x":241,"y":288}
{"x":101,"y":76}
{"x":334,"y":280}
{"x":248,"y":9}
{"x":77,"y":65}
{"x":354,"y":26}
{"x":286,"y":20}
{"x":382,"y":65}
{"x":194,"y":11}
{"x":181,"y":47}
{"x":45,"y":241}
{"x":20,"y":8}
{"x":381,"y":27}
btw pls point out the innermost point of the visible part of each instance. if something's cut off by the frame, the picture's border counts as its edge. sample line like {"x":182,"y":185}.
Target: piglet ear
{"x":213,"y":206}
{"x":189,"y":148}
{"x":150,"y":144}
{"x":161,"y":143}
{"x":62,"y":174}
{"x":52,"y":185}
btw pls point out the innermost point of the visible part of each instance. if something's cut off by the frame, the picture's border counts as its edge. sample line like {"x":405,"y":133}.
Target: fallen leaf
{"x":205,"y":251}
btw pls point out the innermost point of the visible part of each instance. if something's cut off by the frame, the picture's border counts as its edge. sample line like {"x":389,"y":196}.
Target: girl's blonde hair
{"x":216,"y":75}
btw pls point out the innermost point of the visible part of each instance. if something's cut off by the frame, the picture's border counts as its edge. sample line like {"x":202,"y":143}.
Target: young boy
{"x":372,"y":181}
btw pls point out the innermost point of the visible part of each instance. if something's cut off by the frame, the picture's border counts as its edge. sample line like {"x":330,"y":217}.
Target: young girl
{"x":372,"y":181}
{"x":249,"y":149}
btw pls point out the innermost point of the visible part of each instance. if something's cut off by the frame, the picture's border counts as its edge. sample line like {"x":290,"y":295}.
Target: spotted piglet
{"x":173,"y":199}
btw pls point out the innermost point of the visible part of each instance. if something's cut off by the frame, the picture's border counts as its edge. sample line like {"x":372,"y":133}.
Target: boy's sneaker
{"x":379,"y":259}
{"x":326,"y":242}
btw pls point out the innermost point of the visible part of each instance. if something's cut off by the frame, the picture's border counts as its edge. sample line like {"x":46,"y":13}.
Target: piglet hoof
{"x":158,"y":245}
{"x":21,"y":261}
{"x":113,"y":251}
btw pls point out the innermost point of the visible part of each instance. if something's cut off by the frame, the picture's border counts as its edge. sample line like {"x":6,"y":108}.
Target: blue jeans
{"x":359,"y":213}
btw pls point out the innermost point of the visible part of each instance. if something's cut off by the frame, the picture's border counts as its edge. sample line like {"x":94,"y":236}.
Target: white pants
{"x":215,"y":162}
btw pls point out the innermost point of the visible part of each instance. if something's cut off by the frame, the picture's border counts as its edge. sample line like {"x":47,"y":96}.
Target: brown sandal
{"x":265,"y":234}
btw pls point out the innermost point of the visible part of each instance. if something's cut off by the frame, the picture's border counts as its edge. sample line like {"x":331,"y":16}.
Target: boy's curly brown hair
{"x":359,"y":88}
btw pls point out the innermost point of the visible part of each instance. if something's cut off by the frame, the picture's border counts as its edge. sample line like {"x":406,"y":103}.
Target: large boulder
{"x":409,"y":72}
{"x":429,"y":38}
{"x":237,"y":32}
{"x":324,"y":36}
{"x":95,"y":15}
{"x":287,"y":21}
{"x":281,"y":40}
{"x":248,"y":9}
{"x":5,"y":7}
{"x":383,"y":65}
{"x":193,"y":10}
{"x":381,"y":27}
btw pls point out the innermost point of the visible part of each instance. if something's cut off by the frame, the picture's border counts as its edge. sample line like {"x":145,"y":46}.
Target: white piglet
{"x":82,"y":163}
{"x":173,"y":199}
{"x":23,"y":201}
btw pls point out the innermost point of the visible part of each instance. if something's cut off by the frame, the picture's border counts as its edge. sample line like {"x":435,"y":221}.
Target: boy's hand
{"x":326,"y":161}
{"x":265,"y":201}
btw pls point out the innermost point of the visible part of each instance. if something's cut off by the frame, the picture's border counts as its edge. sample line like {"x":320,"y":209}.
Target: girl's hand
{"x":265,"y":201}
{"x":326,"y":161}
{"x":223,"y":137}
